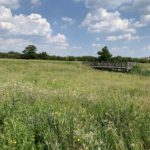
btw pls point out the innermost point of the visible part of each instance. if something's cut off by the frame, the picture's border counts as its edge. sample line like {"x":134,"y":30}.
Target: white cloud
{"x":67,"y":21}
{"x":97,"y":45}
{"x":5,"y":16}
{"x":102,"y":20}
{"x":36,"y":2}
{"x":145,"y":19}
{"x":13,"y":44}
{"x":5,"y":13}
{"x":107,"y":4}
{"x":60,"y":41}
{"x":131,"y":52}
{"x":142,"y":6}
{"x":33,"y":25}
{"x":127,"y":36}
{"x":143,"y":22}
{"x":14,"y":4}
{"x":147,"y":48}
{"x":139,"y":24}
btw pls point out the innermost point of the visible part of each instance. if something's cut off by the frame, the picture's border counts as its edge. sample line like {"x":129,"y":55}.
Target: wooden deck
{"x":112,"y":66}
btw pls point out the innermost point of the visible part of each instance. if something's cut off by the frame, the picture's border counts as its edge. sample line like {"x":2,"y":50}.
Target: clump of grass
{"x":140,"y":70}
{"x":136,"y":69}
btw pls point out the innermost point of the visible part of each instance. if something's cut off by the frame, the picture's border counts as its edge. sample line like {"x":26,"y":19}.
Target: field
{"x":52,"y":105}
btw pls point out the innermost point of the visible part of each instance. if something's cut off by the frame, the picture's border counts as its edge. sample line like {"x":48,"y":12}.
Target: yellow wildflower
{"x":13,"y":142}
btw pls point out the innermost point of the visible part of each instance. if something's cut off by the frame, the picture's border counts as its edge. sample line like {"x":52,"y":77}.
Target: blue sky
{"x":76,"y":27}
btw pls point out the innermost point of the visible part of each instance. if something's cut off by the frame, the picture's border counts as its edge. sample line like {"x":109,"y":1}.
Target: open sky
{"x":76,"y":27}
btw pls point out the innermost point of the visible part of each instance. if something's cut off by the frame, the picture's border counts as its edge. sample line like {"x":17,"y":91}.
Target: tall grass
{"x":60,"y":105}
{"x":141,"y":69}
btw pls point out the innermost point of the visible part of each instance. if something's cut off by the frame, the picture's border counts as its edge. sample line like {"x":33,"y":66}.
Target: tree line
{"x":30,"y":52}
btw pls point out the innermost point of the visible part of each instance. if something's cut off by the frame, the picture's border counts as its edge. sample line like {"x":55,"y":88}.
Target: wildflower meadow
{"x":54,"y":105}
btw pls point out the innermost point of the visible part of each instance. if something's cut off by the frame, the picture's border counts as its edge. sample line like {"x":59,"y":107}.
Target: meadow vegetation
{"x":141,"y":69}
{"x":53,"y":105}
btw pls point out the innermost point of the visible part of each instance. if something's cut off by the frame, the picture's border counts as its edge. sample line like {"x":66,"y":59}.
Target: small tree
{"x":30,"y":52}
{"x":104,"y":54}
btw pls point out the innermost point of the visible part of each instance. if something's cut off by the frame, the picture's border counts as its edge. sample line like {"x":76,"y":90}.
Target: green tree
{"x":104,"y":54}
{"x":43,"y":55}
{"x":30,"y":52}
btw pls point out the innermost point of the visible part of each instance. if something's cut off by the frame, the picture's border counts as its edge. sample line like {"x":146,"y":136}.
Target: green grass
{"x":52,"y":105}
{"x":141,"y":69}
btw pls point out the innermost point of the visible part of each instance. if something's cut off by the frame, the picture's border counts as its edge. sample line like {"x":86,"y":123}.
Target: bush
{"x":137,"y":69}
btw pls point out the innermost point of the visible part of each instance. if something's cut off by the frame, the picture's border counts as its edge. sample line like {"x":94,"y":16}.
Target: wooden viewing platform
{"x":112,"y":66}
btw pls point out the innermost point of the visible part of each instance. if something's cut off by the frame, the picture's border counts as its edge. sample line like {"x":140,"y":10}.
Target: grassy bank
{"x":66,"y":105}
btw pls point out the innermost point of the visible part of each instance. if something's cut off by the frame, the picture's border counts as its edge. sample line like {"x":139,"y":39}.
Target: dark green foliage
{"x":11,"y":54}
{"x":104,"y":54}
{"x":122,"y":59}
{"x":30,"y":52}
{"x":129,"y":59}
{"x":43,"y":55}
{"x":137,"y":69}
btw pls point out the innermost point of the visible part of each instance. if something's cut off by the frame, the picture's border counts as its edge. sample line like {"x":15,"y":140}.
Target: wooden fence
{"x":113,"y":66}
